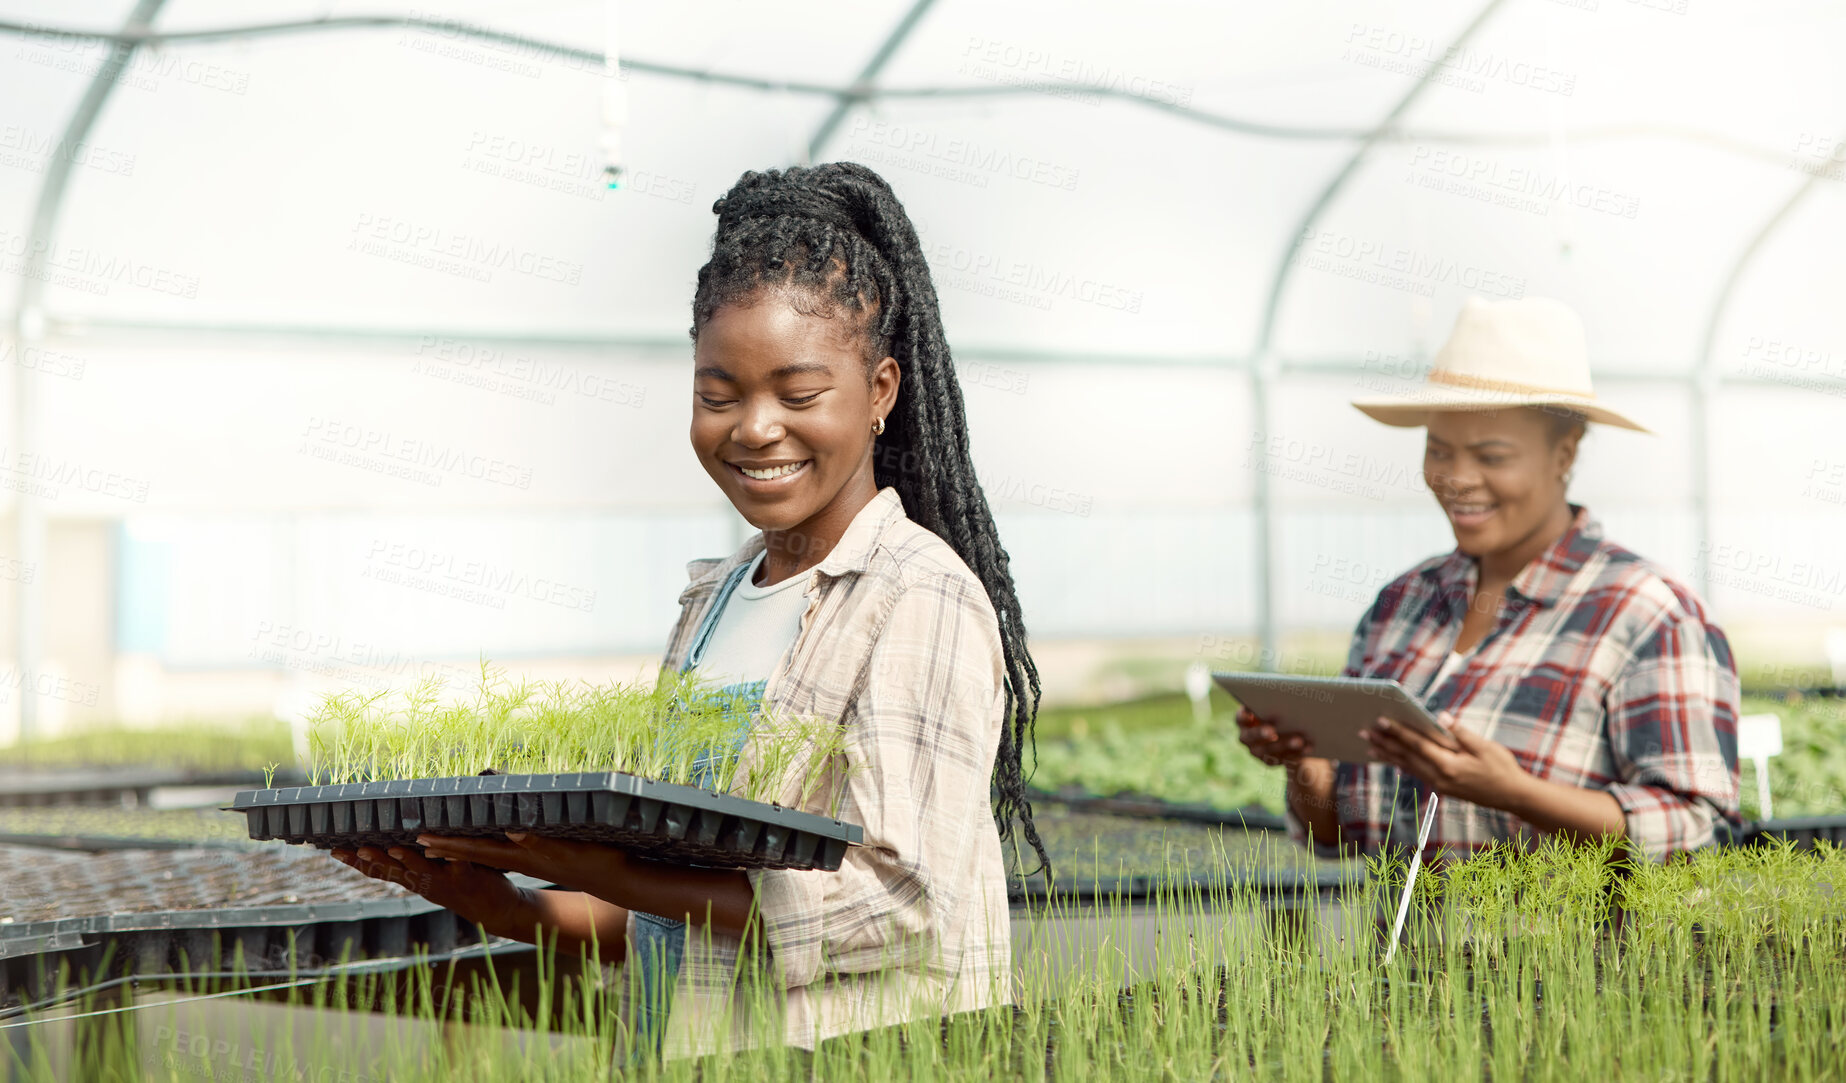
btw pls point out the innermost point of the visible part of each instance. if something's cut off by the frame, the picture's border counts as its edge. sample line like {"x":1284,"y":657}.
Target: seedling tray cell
{"x":644,"y":816}
{"x":705,"y":826}
{"x":741,"y":834}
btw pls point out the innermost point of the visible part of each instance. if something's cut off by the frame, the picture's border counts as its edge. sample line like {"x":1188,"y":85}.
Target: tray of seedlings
{"x":1107,"y":855}
{"x":97,"y":828}
{"x":166,"y":912}
{"x":660,"y":772}
{"x":124,"y":766}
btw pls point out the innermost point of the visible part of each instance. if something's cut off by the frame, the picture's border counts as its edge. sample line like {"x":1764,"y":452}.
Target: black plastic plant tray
{"x":1273,"y":887}
{"x":1804,"y":831}
{"x":656,"y":819}
{"x":99,"y":828}
{"x":127,"y":785}
{"x":96,"y":844}
{"x":254,"y":940}
{"x":147,"y":912}
{"x":1153,"y":808}
{"x":164,"y":933}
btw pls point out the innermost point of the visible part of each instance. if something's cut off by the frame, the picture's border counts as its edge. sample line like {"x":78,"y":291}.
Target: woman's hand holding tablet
{"x":1310,"y":777}
{"x":1293,"y":717}
{"x":1269,"y":746}
{"x":1478,"y":770}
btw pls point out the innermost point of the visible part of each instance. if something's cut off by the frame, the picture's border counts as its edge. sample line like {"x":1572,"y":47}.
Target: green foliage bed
{"x":1154,"y":747}
{"x":249,"y":745}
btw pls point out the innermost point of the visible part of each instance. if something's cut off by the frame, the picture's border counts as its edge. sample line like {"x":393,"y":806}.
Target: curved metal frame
{"x":873,"y":67}
{"x":1263,"y":365}
{"x":28,"y":327}
{"x":1705,"y":385}
{"x":858,"y":93}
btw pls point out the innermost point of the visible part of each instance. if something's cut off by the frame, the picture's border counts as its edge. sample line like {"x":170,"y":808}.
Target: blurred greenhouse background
{"x":330,"y":359}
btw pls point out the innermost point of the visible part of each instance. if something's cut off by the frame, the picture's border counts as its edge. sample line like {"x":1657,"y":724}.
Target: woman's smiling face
{"x":782,"y":410}
{"x":1498,"y":474}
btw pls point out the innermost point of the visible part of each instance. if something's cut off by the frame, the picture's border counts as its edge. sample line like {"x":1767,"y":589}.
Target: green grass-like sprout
{"x":682,"y":729}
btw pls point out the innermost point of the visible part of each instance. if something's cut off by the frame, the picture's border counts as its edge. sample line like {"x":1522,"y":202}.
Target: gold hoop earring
{"x":878,"y":426}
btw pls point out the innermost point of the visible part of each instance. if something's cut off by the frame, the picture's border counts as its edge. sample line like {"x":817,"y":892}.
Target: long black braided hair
{"x":835,"y":236}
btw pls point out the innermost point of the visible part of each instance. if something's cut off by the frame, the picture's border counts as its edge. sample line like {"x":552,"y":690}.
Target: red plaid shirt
{"x":1601,"y":671}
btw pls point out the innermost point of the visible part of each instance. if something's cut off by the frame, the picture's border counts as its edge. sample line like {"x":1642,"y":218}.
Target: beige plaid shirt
{"x":901,"y":645}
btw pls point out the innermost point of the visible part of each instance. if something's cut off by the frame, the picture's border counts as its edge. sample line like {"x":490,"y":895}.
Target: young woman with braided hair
{"x":876,"y":592}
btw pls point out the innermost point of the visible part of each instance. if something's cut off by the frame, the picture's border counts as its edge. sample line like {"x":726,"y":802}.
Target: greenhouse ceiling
{"x":1192,"y":180}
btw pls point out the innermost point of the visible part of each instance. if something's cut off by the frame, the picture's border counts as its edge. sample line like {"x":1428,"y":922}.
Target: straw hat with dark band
{"x":1502,"y":354}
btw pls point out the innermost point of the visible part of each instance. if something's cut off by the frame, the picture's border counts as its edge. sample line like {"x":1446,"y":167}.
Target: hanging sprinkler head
{"x":614,"y":100}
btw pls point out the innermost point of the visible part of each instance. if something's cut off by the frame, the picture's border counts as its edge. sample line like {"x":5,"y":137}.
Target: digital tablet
{"x":1331,"y":710}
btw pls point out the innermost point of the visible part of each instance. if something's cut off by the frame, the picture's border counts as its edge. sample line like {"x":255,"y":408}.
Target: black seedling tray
{"x":255,"y":940}
{"x":1250,"y":818}
{"x":98,"y":828}
{"x":96,"y":844}
{"x":1274,"y":887}
{"x":1804,"y":831}
{"x":127,"y":785}
{"x":656,"y":819}
{"x":148,"y":912}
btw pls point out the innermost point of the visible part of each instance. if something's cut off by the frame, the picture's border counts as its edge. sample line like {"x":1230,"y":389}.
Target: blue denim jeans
{"x":658,"y":945}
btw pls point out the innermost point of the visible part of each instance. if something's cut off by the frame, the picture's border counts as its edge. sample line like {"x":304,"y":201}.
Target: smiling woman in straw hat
{"x":1589,"y":691}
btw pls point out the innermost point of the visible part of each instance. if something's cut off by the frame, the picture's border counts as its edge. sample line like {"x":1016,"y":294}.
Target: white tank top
{"x":755,"y":628}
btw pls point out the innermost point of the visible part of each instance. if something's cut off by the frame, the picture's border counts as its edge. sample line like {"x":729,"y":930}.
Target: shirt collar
{"x":851,"y":554}
{"x":1544,"y":579}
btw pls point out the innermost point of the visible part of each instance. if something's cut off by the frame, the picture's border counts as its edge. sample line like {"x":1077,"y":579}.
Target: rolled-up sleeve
{"x":919,"y":747}
{"x":1349,"y":787}
{"x":1672,"y":716}
{"x":1298,"y":832}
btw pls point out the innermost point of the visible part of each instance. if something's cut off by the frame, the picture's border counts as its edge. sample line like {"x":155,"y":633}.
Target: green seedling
{"x":681,"y":730}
